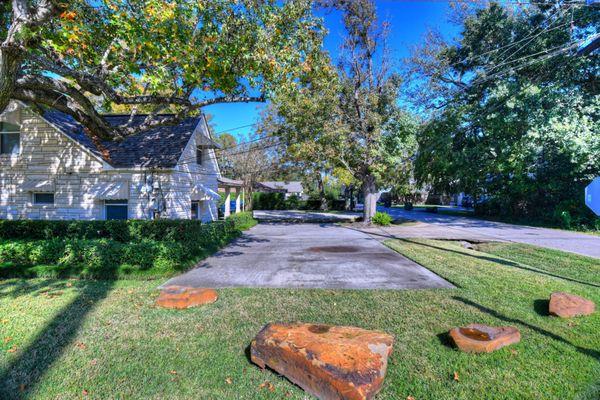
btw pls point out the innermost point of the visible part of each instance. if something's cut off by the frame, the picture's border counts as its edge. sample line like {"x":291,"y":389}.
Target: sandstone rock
{"x":476,"y":338}
{"x":185,"y":297}
{"x":329,"y":362}
{"x":567,"y":305}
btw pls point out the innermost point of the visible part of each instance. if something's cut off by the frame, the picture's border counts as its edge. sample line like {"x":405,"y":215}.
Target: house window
{"x":195,"y":208}
{"x":43,"y":198}
{"x":199,"y":154}
{"x":116,"y":209}
{"x":10,"y":138}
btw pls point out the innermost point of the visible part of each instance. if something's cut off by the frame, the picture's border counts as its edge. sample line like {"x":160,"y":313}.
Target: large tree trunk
{"x":10,"y":62}
{"x":370,"y":198}
{"x":322,"y":199}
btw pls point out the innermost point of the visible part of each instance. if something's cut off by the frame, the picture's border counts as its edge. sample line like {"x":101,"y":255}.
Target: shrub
{"x":268,"y":201}
{"x":242,"y":221}
{"x":156,"y":248}
{"x":381,"y":218}
{"x":121,"y":231}
{"x":292,"y":203}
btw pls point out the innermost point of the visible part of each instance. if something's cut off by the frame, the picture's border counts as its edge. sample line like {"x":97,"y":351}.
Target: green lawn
{"x":69,"y":339}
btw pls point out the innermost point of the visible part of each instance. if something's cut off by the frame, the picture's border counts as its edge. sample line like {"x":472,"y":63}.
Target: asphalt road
{"x":448,"y":226}
{"x":293,"y":255}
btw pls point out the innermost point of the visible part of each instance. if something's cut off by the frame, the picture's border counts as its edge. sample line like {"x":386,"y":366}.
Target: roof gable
{"x":159,"y":147}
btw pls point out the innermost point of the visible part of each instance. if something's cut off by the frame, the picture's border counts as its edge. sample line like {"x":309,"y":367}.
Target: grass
{"x":72,"y":339}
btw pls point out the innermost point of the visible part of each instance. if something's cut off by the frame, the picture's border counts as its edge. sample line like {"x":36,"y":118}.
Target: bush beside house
{"x":111,"y":249}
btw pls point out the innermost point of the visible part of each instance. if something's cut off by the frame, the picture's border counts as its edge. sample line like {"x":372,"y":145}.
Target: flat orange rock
{"x":329,"y":362}
{"x":476,"y":338}
{"x":566,"y":305}
{"x":185,"y":297}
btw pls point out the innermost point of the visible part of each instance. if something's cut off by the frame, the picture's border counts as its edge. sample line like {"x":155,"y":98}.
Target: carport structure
{"x":226,"y":185}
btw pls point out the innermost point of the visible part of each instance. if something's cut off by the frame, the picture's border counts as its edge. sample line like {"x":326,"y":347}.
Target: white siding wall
{"x":188,"y":173}
{"x":46,"y":154}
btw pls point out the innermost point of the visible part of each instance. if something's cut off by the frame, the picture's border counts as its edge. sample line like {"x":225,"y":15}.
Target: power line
{"x":235,"y":129}
{"x":515,"y":2}
{"x":557,"y":50}
{"x":532,"y":37}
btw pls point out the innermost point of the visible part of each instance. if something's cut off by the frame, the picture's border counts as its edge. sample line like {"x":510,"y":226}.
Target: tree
{"x":227,"y":142}
{"x":84,"y":57}
{"x":251,"y":160}
{"x":349,"y":117}
{"x":515,"y":118}
{"x":368,"y":112}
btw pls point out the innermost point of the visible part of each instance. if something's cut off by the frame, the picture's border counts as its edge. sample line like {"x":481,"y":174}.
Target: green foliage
{"x":242,"y":221}
{"x":111,"y":249}
{"x":381,"y":218}
{"x":275,"y":201}
{"x":268,"y":201}
{"x":121,"y":231}
{"x":523,"y":140}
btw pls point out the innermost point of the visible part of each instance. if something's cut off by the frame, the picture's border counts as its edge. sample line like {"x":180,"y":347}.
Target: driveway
{"x":308,"y":256}
{"x":305,"y":216}
{"x":453,"y":227}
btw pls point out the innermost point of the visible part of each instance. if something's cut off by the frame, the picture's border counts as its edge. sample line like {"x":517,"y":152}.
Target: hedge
{"x":155,"y":248}
{"x":122,"y":231}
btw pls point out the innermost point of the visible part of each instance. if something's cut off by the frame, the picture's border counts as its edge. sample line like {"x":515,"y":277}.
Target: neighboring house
{"x":291,"y":188}
{"x":51,"y":169}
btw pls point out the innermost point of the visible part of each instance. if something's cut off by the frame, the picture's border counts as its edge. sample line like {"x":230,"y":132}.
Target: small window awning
{"x":207,"y":143}
{"x":201,"y":192}
{"x":41,"y":186}
{"x":111,"y":191}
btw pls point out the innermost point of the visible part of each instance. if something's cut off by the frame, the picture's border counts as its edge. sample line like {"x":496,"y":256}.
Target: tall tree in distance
{"x":368,"y":110}
{"x":348,"y":117}
{"x":85,"y":57}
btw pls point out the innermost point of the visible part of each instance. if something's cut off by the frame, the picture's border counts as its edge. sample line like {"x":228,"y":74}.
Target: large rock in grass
{"x":185,"y":297}
{"x":567,"y":305}
{"x":329,"y":362}
{"x":476,"y":338}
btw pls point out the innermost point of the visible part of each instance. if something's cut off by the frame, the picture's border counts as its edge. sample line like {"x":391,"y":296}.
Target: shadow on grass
{"x":541,"y":307}
{"x":16,"y":287}
{"x":445,"y":340}
{"x":492,"y":259}
{"x":22,"y":374}
{"x":588,"y":352}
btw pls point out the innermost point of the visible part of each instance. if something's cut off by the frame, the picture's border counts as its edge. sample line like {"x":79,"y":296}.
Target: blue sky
{"x":409,"y":21}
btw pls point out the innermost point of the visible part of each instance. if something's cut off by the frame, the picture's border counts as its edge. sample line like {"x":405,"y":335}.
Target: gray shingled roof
{"x":290,"y":186}
{"x":155,"y":148}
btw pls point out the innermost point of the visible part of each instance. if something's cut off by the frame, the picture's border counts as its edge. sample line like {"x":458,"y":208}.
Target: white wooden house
{"x":50,"y":168}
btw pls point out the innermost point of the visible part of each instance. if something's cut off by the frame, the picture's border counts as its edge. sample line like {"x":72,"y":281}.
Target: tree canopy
{"x":153,"y":56}
{"x":515,"y":110}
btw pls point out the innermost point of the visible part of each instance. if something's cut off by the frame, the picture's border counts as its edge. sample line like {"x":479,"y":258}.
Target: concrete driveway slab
{"x":305,"y":216}
{"x":308,"y":256}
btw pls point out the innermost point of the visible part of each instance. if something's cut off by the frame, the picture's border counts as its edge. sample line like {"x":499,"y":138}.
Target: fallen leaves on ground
{"x":228,"y":380}
{"x":267,"y":385}
{"x":456,"y":378}
{"x":7,"y":339}
{"x":12,"y":349}
{"x":80,"y":345}
{"x":410,"y":398}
